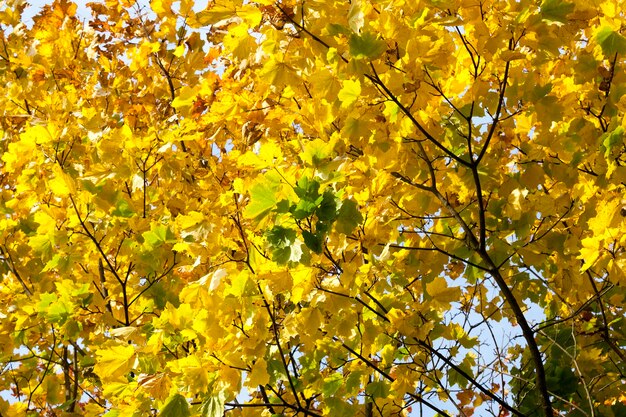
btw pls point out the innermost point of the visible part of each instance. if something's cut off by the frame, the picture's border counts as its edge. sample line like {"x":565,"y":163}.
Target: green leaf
{"x":72,"y":328}
{"x":262,"y":201}
{"x":378,"y":389}
{"x":290,"y":253}
{"x":281,"y":255}
{"x":615,"y":138}
{"x":322,"y":227}
{"x":335,"y":29}
{"x":563,"y":342}
{"x":327,"y":210}
{"x":348,"y":217}
{"x":91,"y":187}
{"x":307,"y":188}
{"x":281,"y":236}
{"x":58,"y":312}
{"x":52,"y":308}
{"x":353,"y":381}
{"x":86,"y":300}
{"x":123,"y":209}
{"x":366,"y":45}
{"x":540,"y":91}
{"x":45,"y":300}
{"x":59,"y":262}
{"x":313,"y":241}
{"x":308,"y":191}
{"x":275,"y":368}
{"x":305,"y":208}
{"x":157,"y":235}
{"x":337,"y":407}
{"x":331,"y":384}
{"x":561,"y":379}
{"x":176,"y":406}
{"x":41,"y":244}
{"x":556,"y":10}
{"x":611,"y":41}
{"x":212,"y":406}
{"x":466,"y":365}
{"x":282,"y":206}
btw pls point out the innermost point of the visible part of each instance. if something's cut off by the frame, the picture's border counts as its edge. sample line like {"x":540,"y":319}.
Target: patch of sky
{"x":297,"y":127}
{"x":218,"y":151}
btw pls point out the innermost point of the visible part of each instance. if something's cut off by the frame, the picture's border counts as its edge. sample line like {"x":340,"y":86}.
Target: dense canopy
{"x":308,"y":208}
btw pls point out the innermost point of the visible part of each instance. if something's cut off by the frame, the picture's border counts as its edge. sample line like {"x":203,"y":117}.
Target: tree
{"x":313,"y":208}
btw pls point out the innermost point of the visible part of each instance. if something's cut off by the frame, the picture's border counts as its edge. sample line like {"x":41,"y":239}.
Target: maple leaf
{"x":176,"y":405}
{"x":114,"y":361}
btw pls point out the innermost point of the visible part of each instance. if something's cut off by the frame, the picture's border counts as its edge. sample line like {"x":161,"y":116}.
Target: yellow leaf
{"x":512,"y":55}
{"x":119,"y":389}
{"x":127,"y":334}
{"x":179,"y":51}
{"x":190,"y":219}
{"x":440,"y":292}
{"x":259,"y":375}
{"x":201,"y":319}
{"x":617,"y":270}
{"x":62,"y":184}
{"x":276,"y":71}
{"x":591,"y":357}
{"x":270,"y":152}
{"x":250,"y":14}
{"x":17,"y":409}
{"x":606,"y":217}
{"x":37,"y":134}
{"x":317,"y":151}
{"x":161,"y":7}
{"x":238,"y":284}
{"x":157,"y":385}
{"x":194,"y":373}
{"x":214,"y":14}
{"x":515,"y":200}
{"x":349,"y":93}
{"x":590,"y":252}
{"x":114,"y":361}
{"x":185,"y":97}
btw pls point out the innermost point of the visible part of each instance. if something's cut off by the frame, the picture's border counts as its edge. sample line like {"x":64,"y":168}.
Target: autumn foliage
{"x":313,"y":208}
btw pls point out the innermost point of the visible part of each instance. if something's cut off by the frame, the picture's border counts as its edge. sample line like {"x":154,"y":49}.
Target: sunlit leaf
{"x":611,"y":41}
{"x":176,"y":406}
{"x":350,"y":92}
{"x":114,"y":361}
